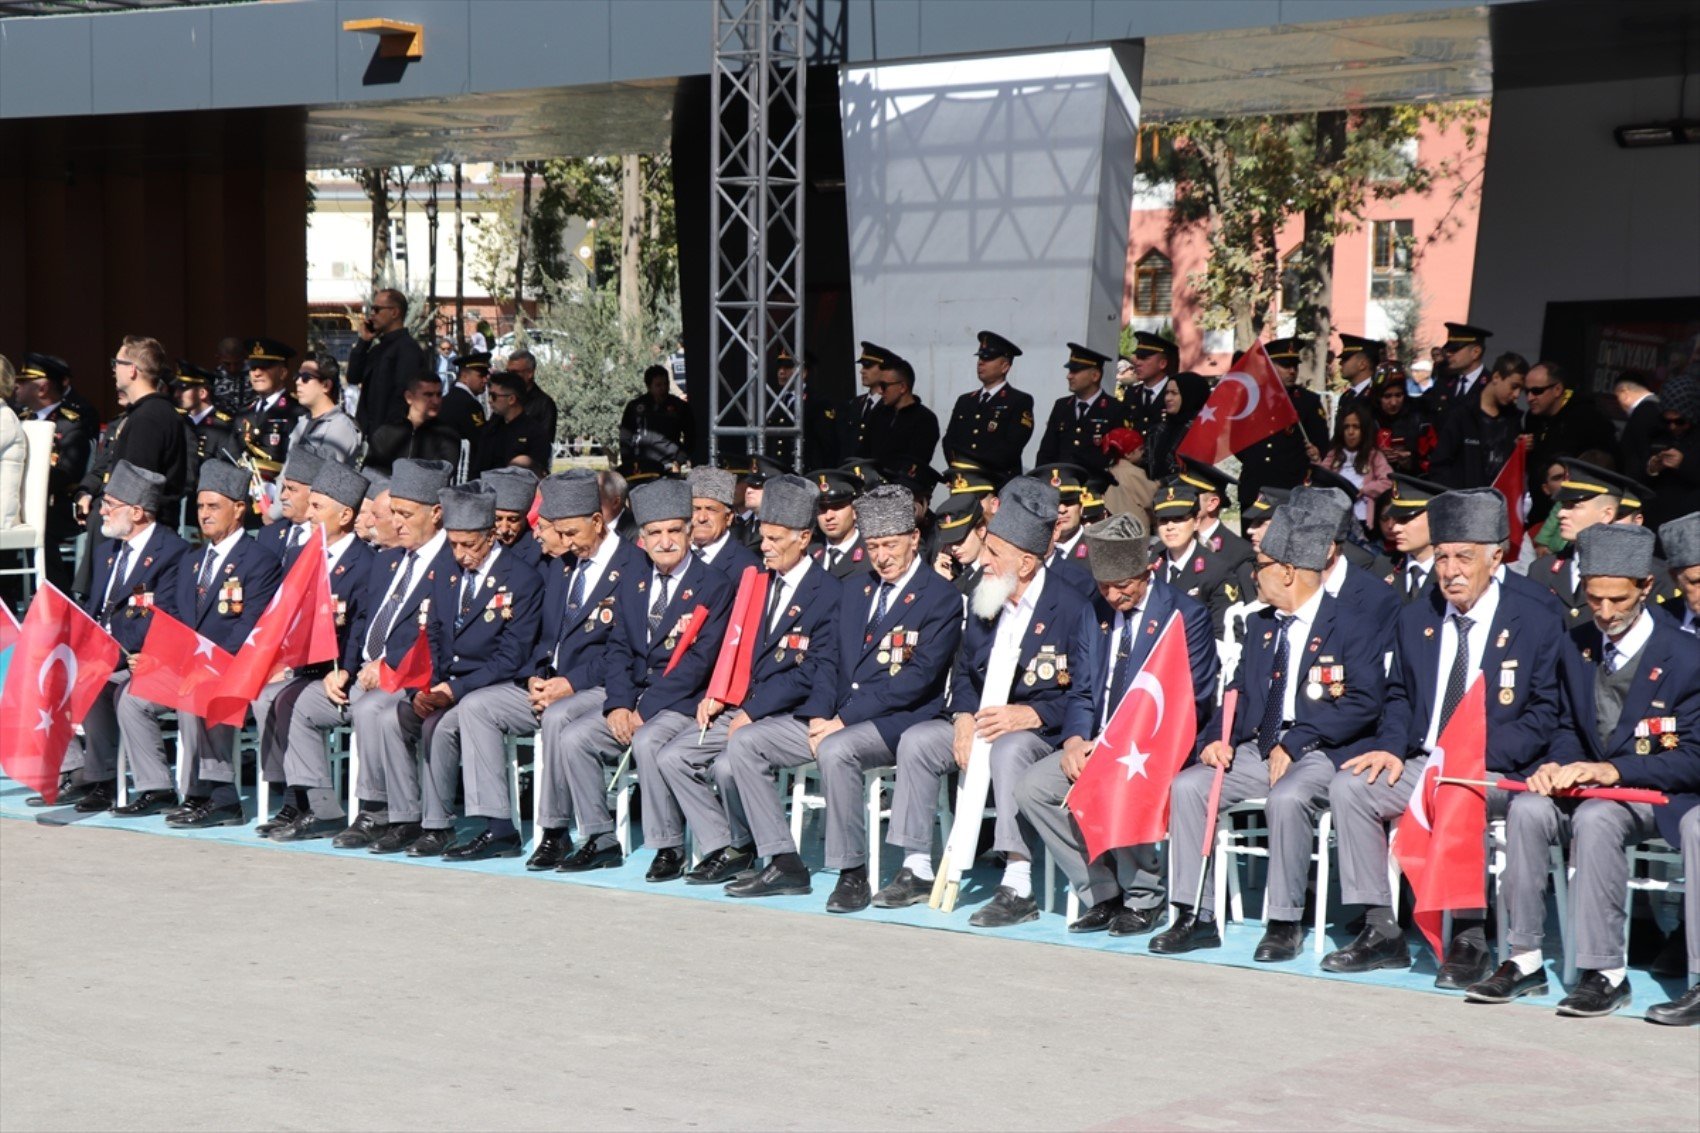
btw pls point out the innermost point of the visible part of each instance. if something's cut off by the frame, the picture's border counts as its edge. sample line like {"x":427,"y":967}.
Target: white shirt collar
{"x":1634,"y":638}
{"x":1336,"y":576}
{"x":989,"y":391}
{"x":847,"y":542}
{"x":1067,"y":545}
{"x":791,"y":578}
{"x":222,"y":548}
{"x":483,"y":571}
{"x":139,"y":540}
{"x":41,"y":414}
{"x":1305,"y":615}
{"x":902,"y":582}
{"x":1029,"y":600}
{"x":1485,"y":608}
{"x":334,"y":552}
{"x":712,"y":550}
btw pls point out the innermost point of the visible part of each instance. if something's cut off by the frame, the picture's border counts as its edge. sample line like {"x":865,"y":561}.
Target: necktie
{"x":380,"y":629}
{"x":1460,"y":671}
{"x":1275,"y":706}
{"x":880,"y":601}
{"x":833,"y":558}
{"x":575,"y":592}
{"x":115,"y":584}
{"x":204,"y":582}
{"x":660,"y":606}
{"x":468,"y":590}
{"x":985,"y":397}
{"x":776,"y":592}
{"x":1079,"y":409}
{"x":1608,"y":658}
{"x":1121,"y":666}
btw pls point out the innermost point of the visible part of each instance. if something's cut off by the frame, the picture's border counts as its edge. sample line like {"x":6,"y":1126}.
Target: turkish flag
{"x":177,"y":667}
{"x":1122,"y":796}
{"x":60,"y":662}
{"x":1248,"y":405}
{"x":692,"y":627}
{"x":1441,"y":838}
{"x":731,"y":680}
{"x":9,"y":630}
{"x":414,"y":670}
{"x":1512,"y":482}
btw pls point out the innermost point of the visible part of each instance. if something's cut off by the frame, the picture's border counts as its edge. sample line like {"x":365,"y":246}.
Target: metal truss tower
{"x":756,"y":210}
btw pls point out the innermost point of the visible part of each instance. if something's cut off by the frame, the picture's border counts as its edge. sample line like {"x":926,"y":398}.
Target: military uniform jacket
{"x":1048,"y":663}
{"x":462,"y":412}
{"x":73,"y":442}
{"x":1204,"y":580}
{"x":574,"y":643}
{"x":149,"y":435}
{"x":854,"y":423}
{"x":992,"y":432}
{"x":212,"y":436}
{"x":903,"y":435}
{"x":637,"y":676}
{"x":1071,"y":441}
{"x":798,"y":653}
{"x":489,"y":640}
{"x":430,"y":584}
{"x":908,"y":686}
{"x":1225,"y":545}
{"x":1337,"y":662}
{"x":1070,"y":567}
{"x":1280,"y":461}
{"x":227,"y":609}
{"x":1098,"y":641}
{"x":1142,"y":415}
{"x":851,"y":564}
{"x":1526,"y":646}
{"x":1656,"y":743}
{"x":150,"y":582}
{"x":265,"y":432}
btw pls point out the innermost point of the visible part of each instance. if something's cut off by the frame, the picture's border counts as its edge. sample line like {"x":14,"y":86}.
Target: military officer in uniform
{"x":855,"y":420}
{"x":1465,"y":356}
{"x":1155,"y":361}
{"x":1588,"y":495}
{"x":1022,"y":648}
{"x":1184,"y":564}
{"x":1280,"y":461}
{"x":221,"y":589}
{"x":1408,"y":509}
{"x":1075,"y":432}
{"x":1124,"y":892}
{"x":961,"y":536}
{"x":463,"y":409}
{"x":991,"y":425}
{"x":897,"y":634}
{"x":1067,"y":558}
{"x":1214,"y":538}
{"x":211,"y":430}
{"x":1474,"y":627}
{"x":267,"y":422}
{"x":42,"y":396}
{"x":1310,"y":686}
{"x":839,"y":549}
{"x":1633,"y":701}
{"x":1359,"y":358}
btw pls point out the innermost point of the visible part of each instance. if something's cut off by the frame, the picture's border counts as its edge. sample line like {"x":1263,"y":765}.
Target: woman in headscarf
{"x":1183,"y":396}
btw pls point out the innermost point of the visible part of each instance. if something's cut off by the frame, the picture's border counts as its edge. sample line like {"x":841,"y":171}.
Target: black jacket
{"x":382,"y":367}
{"x":149,"y":435}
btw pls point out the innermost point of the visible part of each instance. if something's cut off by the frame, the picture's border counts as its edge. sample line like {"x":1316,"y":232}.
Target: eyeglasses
{"x":1536,"y":391}
{"x":117,"y":362}
{"x":1259,"y":568}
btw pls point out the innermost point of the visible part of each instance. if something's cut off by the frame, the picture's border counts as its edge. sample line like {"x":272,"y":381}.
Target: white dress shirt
{"x":787,"y":584}
{"x":1482,"y":614}
{"x":1013,"y":621}
{"x":1298,"y":634}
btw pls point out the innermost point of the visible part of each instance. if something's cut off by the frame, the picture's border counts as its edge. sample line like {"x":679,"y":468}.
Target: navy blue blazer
{"x":1073,"y":569}
{"x":494,"y":640}
{"x":1379,"y":602}
{"x":1098,"y":631}
{"x":801,"y":652}
{"x":583,"y":638}
{"x":530,"y":552}
{"x":152,"y":581}
{"x":1042,"y":680}
{"x":1666,"y":684}
{"x":637,"y":677}
{"x":404,"y":630}
{"x":1341,"y":726}
{"x":1526,"y":646}
{"x":272,"y":539}
{"x":733,"y":558}
{"x":250,"y":570}
{"x":349,"y":579}
{"x":866,"y":689}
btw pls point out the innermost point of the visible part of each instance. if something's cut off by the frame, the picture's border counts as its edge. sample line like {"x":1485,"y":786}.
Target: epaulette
{"x":221,"y":415}
{"x":69,"y":414}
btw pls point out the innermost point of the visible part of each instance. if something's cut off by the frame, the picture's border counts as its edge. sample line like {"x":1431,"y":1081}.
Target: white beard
{"x":991,"y":595}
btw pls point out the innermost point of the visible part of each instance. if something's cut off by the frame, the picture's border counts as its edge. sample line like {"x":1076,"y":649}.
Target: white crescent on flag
{"x":1135,"y":759}
{"x":1426,"y":788}
{"x":63,"y":655}
{"x":1252,"y":394}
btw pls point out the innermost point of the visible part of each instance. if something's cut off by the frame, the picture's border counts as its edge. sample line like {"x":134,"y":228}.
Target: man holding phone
{"x":383,"y":362}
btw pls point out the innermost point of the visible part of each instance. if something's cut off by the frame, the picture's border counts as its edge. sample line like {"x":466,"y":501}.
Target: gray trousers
{"x":482,"y":720}
{"x":1600,"y":829}
{"x":752,"y":757}
{"x":663,"y":821}
{"x":389,"y":732}
{"x":304,"y":760}
{"x":209,"y":750}
{"x":566,"y":756}
{"x":272,"y":736}
{"x":100,"y":731}
{"x":701,"y":784}
{"x":1690,"y":830}
{"x":926,"y":754}
{"x":1294,"y":805}
{"x":1362,"y":811}
{"x":1134,"y":874}
{"x":442,"y":753}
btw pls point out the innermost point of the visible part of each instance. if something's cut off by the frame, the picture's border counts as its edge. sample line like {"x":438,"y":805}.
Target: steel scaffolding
{"x":756,"y":213}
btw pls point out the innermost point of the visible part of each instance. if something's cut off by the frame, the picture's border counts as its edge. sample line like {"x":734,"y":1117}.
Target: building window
{"x":1390,"y":265}
{"x":1153,"y":284}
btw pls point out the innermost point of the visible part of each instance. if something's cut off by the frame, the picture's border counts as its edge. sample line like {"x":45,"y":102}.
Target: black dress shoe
{"x":1187,"y":934}
{"x":592,"y":856}
{"x":1005,"y":909}
{"x":190,"y":803}
{"x":1281,"y":942}
{"x":721,"y":866}
{"x":486,"y":845}
{"x":1507,"y":983}
{"x":396,"y":838}
{"x":904,"y":890}
{"x":551,"y":849}
{"x":204,"y":815}
{"x":1098,"y":917}
{"x":362,"y":832}
{"x":1672,"y":960}
{"x":306,"y":828}
{"x":146,"y":803}
{"x":98,"y":798}
{"x":851,"y":895}
{"x":668,"y":865}
{"x":770,"y":882}
{"x":1466,"y":964}
{"x":286,"y":814}
{"x":69,"y":793}
{"x":1135,"y":922}
{"x":1683,"y":1011}
{"x":1594,"y":995}
{"x":431,"y":844}
{"x":1370,"y":952}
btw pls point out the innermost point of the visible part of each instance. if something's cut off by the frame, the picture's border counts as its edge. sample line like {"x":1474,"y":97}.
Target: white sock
{"x":1615,"y":976}
{"x":1528,"y":963}
{"x":920,"y":865}
{"x":1018,"y":875}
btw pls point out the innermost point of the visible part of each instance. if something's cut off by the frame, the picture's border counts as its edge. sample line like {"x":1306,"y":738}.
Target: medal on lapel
{"x":1508,"y":683}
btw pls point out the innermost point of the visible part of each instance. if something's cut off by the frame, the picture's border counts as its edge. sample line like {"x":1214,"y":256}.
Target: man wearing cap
{"x":991,"y":425}
{"x":1479,"y":431}
{"x":325,"y":429}
{"x":483,"y":638}
{"x":655,"y":425}
{"x":1353,"y":584}
{"x":839,"y":549}
{"x":418,"y":436}
{"x":266,"y":423}
{"x":746,"y":523}
{"x":1310,"y":686}
{"x":134,"y":571}
{"x":1359,"y":357}
{"x":384,"y":361}
{"x":1280,"y":461}
{"x":857,"y":420}
{"x":516,"y":492}
{"x":1254,"y":520}
{"x":787,"y":408}
{"x":1022,"y":647}
{"x":794,"y":648}
{"x":712,"y":493}
{"x":1463,"y":355}
{"x":1408,"y":507}
{"x":897,"y":634}
{"x":563,"y":676}
{"x":1119,"y":625}
{"x":668,"y":622}
{"x":309,"y":806}
{"x":1074,"y":434}
{"x":1214,"y":538}
{"x":1509,"y":641}
{"x":907,"y":431}
{"x":41,"y":397}
{"x":221,"y":589}
{"x":1560,"y":424}
{"x":1067,"y":559}
{"x":1633,"y":692}
{"x":511,"y":436}
{"x":960,"y":527}
{"x":1184,"y":566}
{"x":1155,"y":361}
{"x":148,"y":434}
{"x":211,"y":429}
{"x":463,"y":405}
{"x":1588,"y":495}
{"x":1681,"y":538}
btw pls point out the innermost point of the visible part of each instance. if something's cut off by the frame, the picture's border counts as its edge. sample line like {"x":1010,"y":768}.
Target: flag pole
{"x":1618,"y":794}
{"x":1229,"y":703}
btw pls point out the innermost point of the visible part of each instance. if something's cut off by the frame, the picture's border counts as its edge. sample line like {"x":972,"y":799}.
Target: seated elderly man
{"x":712,"y":539}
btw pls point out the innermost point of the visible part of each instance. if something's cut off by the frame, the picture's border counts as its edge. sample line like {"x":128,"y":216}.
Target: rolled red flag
{"x":693,"y":626}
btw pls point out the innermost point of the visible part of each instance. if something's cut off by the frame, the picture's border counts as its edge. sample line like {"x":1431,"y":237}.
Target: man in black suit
{"x":854,"y":420}
{"x":383,"y":362}
{"x":1464,"y":356}
{"x":1155,"y":361}
{"x":906,"y":432}
{"x":1643,"y":418}
{"x":991,"y":425}
{"x":1075,"y":432}
{"x":462,"y":411}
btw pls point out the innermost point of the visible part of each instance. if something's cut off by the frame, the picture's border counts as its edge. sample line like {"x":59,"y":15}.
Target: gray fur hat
{"x":661,"y":500}
{"x":1298,"y":539}
{"x":1616,"y":550}
{"x":1469,"y":515}
{"x":1118,"y":548}
{"x":1027,"y":515}
{"x":225,"y":478}
{"x":302,"y":466}
{"x":468,"y":507}
{"x":516,"y":488}
{"x":1038,"y":496}
{"x":886,"y":510}
{"x":570,"y":495}
{"x":377,"y":483}
{"x":421,"y":481}
{"x":342,"y":484}
{"x":1681,"y":537}
{"x":1326,"y":504}
{"x":790,"y":501}
{"x":137,"y":487}
{"x":712,"y":484}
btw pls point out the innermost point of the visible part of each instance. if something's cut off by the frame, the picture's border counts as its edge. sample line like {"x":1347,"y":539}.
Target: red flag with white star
{"x":1513,"y":483}
{"x":1249,"y":404}
{"x":177,"y":667}
{"x":1442,"y":836}
{"x":1122,"y":795}
{"x":60,"y":662}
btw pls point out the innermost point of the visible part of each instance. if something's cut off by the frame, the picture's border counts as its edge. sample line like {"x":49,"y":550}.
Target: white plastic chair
{"x":336,"y":750}
{"x":30,"y":534}
{"x":1232,"y":841}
